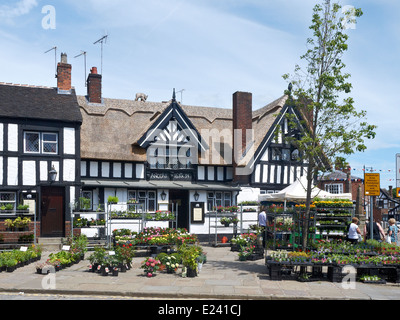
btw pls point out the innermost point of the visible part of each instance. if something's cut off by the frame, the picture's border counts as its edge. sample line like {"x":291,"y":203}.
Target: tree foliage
{"x":320,"y":91}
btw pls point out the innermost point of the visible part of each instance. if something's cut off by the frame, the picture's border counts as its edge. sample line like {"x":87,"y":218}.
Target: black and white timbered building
{"x":40,"y":152}
{"x":163,"y":154}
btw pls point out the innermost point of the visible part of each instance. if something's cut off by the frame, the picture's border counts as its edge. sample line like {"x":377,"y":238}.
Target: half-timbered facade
{"x":40,"y":152}
{"x":164,"y":153}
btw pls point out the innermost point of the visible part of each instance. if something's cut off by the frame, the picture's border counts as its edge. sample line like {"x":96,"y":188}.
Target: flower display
{"x":150,"y":266}
{"x":154,"y":236}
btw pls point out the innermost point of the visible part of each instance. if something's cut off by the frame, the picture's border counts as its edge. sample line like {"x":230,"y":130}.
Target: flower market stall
{"x":371,"y":260}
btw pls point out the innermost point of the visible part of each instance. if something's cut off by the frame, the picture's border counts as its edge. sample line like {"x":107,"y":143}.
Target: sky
{"x":206,"y":50}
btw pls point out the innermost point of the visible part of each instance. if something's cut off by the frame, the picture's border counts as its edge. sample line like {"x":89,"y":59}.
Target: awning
{"x":144,"y":184}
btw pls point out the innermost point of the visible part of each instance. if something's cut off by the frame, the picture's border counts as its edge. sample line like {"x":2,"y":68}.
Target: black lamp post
{"x":163,"y":195}
{"x":196,"y":196}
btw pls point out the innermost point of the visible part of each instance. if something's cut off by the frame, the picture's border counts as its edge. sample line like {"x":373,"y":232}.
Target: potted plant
{"x":245,"y":252}
{"x":9,"y":224}
{"x":23,"y":208}
{"x":84,"y":204}
{"x":112,"y":199}
{"x":201,"y":259}
{"x":189,"y":256}
{"x":11,"y":264}
{"x":150,"y":266}
{"x":225,"y":221}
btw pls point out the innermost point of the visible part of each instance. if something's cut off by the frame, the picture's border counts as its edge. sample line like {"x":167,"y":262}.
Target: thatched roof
{"x":110,"y":130}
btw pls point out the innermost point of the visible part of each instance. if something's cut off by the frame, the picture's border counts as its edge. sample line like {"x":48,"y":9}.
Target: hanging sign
{"x":372,"y":184}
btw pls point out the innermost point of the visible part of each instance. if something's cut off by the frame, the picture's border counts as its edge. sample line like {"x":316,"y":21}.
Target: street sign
{"x":372,"y":184}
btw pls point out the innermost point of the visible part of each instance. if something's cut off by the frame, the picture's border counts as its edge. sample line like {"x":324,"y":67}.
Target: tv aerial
{"x":102,"y":41}
{"x":83,"y":53}
{"x":55,"y":58}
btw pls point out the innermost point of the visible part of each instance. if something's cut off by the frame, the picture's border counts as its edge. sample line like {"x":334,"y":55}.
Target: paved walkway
{"x":222,"y":277}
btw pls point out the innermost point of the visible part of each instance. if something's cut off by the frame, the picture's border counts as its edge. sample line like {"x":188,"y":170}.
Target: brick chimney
{"x":94,"y":86}
{"x":242,"y":120}
{"x":64,"y":75}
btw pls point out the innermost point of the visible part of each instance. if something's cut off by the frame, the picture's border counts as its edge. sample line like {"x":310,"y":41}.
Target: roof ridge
{"x":24,"y":85}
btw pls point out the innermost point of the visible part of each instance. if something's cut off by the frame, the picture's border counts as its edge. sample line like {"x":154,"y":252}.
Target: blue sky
{"x":209,"y":48}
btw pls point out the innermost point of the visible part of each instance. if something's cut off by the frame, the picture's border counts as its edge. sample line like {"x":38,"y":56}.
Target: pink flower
{"x":149,"y":275}
{"x":153,"y":264}
{"x":147,"y":263}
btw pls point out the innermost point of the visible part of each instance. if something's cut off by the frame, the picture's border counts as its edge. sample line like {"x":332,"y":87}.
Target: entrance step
{"x":50,"y":244}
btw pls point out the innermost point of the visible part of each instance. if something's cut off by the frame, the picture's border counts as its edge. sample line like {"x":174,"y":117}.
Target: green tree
{"x":320,"y":92}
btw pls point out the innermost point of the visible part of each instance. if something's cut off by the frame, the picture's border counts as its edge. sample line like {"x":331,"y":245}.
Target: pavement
{"x":222,"y":277}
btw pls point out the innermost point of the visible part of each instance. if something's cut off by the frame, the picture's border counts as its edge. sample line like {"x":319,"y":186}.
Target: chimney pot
{"x":64,"y":58}
{"x":93,"y":70}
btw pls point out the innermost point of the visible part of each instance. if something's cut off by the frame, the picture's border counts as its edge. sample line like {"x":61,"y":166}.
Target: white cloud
{"x":23,"y":7}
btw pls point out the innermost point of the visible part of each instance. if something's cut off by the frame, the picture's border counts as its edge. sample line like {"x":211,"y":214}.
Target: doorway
{"x":181,"y":200}
{"x":52,"y":220}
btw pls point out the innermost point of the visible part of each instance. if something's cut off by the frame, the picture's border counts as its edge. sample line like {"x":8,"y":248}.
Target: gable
{"x":172,"y":125}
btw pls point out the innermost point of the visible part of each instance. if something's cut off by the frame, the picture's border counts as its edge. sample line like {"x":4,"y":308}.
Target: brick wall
{"x":64,"y":71}
{"x":94,"y":86}
{"x":13,"y":236}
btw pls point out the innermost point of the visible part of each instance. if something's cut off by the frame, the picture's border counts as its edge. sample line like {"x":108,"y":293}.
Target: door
{"x":181,"y":200}
{"x":52,"y":212}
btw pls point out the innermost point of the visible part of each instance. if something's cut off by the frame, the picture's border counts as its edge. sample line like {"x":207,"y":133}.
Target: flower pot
{"x":191,"y":273}
{"x":122,"y":267}
{"x":104,"y":271}
{"x":11,"y":269}
{"x":242,"y":258}
{"x":114,"y":272}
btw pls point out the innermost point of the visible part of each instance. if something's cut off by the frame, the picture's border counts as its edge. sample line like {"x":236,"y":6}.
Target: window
{"x":86,"y":201}
{"x":41,"y":142}
{"x":147,"y":199}
{"x":295,"y":155}
{"x":7,"y":200}
{"x":285,"y":154}
{"x":218,"y":199}
{"x":335,"y":188}
{"x":164,"y":157}
{"x":276,"y":154}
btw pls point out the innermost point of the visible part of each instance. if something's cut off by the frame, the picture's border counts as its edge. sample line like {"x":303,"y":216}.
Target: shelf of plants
{"x":222,"y":218}
{"x":184,"y":252}
{"x":332,"y":218}
{"x":131,"y":213}
{"x":279,"y":229}
{"x":369,"y":258}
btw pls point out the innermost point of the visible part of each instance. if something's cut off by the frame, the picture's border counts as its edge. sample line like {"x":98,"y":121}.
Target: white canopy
{"x":297,"y":191}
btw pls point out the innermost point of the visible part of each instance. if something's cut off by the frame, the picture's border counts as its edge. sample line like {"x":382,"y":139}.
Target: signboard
{"x":197,"y":209}
{"x":372,"y":184}
{"x":397,"y":170}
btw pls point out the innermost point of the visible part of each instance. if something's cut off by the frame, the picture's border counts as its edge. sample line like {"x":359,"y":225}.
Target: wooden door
{"x":52,"y":212}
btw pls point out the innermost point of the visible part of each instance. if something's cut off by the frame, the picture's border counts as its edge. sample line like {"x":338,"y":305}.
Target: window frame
{"x":330,"y":187}
{"x":14,"y":202}
{"x":41,"y":142}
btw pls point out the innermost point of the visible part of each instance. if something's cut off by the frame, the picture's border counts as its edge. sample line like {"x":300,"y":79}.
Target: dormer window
{"x":41,"y":142}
